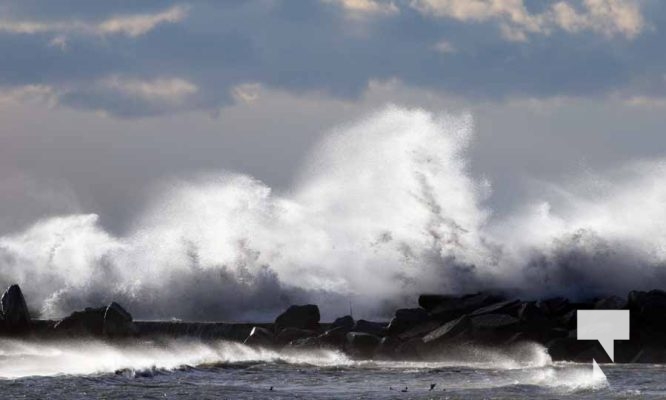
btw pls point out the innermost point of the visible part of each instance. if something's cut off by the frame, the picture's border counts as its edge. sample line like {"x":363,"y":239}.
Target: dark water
{"x":189,"y":370}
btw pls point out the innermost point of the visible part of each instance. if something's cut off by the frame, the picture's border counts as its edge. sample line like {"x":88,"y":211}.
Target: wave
{"x":22,"y":358}
{"x":384,"y":208}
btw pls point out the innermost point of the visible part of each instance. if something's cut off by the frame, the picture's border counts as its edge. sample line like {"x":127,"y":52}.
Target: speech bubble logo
{"x":606,"y":326}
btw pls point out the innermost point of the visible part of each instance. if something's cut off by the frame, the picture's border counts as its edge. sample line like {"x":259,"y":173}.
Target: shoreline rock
{"x":441,"y":324}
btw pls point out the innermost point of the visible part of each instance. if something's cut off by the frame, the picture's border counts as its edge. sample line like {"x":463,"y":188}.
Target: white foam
{"x":385,"y":209}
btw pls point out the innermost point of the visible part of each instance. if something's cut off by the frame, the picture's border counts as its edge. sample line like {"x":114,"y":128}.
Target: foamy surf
{"x":224,"y":368}
{"x":21,"y":358}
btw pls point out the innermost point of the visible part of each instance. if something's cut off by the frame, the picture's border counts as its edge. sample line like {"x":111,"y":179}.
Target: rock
{"x":448,"y":331}
{"x":117,"y":322}
{"x":493,"y":328}
{"x":430,"y":301}
{"x":650,"y":355}
{"x":373,"y":328}
{"x":261,"y":337}
{"x":387,"y":346}
{"x":290,"y":334}
{"x":649,"y":307}
{"x":419,"y":330}
{"x":346,"y":322}
{"x":569,"y":320}
{"x":360,"y":344}
{"x":509,"y":307}
{"x":335,"y":337}
{"x":611,"y":303}
{"x":412,"y":349}
{"x":406,"y":318}
{"x":90,"y":321}
{"x":300,"y":317}
{"x":456,"y":307}
{"x":571,"y":349}
{"x":554,"y":307}
{"x":493,"y":321}
{"x":529,"y":312}
{"x":110,"y":321}
{"x":306,"y":343}
{"x":15,"y":310}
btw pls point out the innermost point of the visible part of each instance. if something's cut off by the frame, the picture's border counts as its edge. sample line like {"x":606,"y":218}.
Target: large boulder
{"x":611,"y":303}
{"x":261,"y":337}
{"x":430,"y":301}
{"x":448,"y":331}
{"x":15,"y":310}
{"x":650,"y":307}
{"x":306,"y":343}
{"x":90,"y":321}
{"x":571,"y":349}
{"x":555,"y":306}
{"x":110,"y":321}
{"x":494,"y":328}
{"x":117,"y":321}
{"x":406,"y":318}
{"x":290,"y":334}
{"x":529,"y":312}
{"x":419,"y":330}
{"x":361,"y":345}
{"x":300,"y":317}
{"x":334,"y":337}
{"x":508,"y":307}
{"x":346,"y":322}
{"x":373,"y":328}
{"x":456,"y":307}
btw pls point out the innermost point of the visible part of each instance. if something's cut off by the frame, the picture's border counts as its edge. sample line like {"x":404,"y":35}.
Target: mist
{"x":384,"y":208}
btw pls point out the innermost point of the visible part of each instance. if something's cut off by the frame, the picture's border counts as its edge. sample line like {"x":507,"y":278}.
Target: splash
{"x":26,"y":358}
{"x":385,"y":208}
{"x":21,"y":358}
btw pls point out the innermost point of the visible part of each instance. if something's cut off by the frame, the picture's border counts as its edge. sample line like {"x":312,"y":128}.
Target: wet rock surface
{"x":15,"y":315}
{"x":441,"y":323}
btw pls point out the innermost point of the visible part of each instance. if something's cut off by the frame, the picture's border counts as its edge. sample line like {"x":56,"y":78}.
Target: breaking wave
{"x":384,"y":209}
{"x":21,"y":358}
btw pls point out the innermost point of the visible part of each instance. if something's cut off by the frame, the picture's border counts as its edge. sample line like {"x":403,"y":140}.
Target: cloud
{"x":172,"y":90}
{"x":362,"y":8}
{"x":646,"y":101}
{"x":606,"y":17}
{"x":28,"y":94}
{"x":450,"y":46}
{"x":246,"y":92}
{"x":444,"y":46}
{"x":136,"y":25}
{"x":59,"y":41}
{"x":130,"y":25}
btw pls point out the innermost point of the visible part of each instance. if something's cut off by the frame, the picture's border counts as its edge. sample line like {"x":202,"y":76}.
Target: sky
{"x":102,"y":102}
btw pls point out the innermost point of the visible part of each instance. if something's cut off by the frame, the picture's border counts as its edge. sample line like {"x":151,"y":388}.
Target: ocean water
{"x":222,"y":370}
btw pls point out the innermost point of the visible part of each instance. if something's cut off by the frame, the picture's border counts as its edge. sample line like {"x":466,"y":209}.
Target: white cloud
{"x":130,"y":25}
{"x":172,"y":90}
{"x":362,"y":8}
{"x":136,"y":25}
{"x":43,"y":94}
{"x":59,"y":41}
{"x":646,"y":101}
{"x":246,"y":92}
{"x":606,"y":17}
{"x":444,"y":46}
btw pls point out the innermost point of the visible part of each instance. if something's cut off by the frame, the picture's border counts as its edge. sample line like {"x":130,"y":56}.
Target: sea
{"x":190,"y":369}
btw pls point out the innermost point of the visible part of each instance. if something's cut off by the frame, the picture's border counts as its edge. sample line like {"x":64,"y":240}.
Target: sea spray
{"x":385,"y":208}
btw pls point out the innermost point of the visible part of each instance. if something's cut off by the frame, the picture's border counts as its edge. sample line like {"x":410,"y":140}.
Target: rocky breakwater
{"x":439,"y":325}
{"x":443,"y":323}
